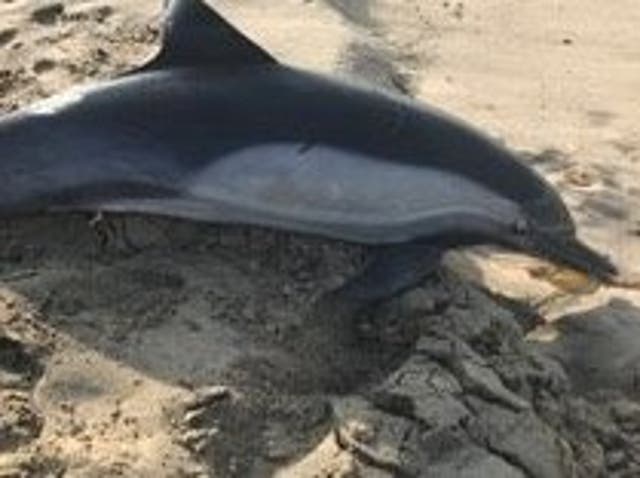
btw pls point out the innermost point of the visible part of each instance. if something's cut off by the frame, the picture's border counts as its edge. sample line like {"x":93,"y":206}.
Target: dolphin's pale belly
{"x":320,"y":189}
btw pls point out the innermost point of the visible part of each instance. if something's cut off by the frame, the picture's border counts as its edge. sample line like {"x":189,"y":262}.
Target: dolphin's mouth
{"x":567,"y":250}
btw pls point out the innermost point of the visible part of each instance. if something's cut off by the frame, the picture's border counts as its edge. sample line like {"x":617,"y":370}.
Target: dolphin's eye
{"x":521,"y":227}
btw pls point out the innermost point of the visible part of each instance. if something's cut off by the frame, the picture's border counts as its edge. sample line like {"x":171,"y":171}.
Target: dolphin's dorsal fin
{"x":196,"y":36}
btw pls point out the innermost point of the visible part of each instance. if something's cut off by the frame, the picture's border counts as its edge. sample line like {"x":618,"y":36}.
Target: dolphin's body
{"x":214,"y":129}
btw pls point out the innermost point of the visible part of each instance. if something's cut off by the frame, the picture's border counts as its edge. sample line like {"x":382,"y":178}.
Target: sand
{"x":144,"y":347}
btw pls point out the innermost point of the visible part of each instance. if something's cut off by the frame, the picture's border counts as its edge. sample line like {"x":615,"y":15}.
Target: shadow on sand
{"x":194,"y":307}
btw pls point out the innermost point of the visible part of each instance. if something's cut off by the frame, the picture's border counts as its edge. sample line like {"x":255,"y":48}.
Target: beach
{"x":138,"y":346}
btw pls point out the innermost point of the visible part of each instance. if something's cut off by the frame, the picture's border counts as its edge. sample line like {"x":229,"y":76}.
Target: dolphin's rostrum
{"x":215,"y":129}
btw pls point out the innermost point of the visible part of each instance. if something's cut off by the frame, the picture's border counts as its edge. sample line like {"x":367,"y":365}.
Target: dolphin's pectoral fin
{"x":195,"y":35}
{"x":394,"y":270}
{"x":335,"y":316}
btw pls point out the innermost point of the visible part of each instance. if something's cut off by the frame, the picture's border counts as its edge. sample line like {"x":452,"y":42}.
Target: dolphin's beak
{"x":567,"y":250}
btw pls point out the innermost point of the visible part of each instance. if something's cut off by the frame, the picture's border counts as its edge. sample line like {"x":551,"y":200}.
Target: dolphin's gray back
{"x":267,"y":146}
{"x":215,"y":129}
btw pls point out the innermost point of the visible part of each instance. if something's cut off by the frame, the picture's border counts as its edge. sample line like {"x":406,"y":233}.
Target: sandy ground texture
{"x":143,"y":347}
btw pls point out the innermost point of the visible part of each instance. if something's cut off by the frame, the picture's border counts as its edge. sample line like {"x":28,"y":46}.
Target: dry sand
{"x":146,"y":347}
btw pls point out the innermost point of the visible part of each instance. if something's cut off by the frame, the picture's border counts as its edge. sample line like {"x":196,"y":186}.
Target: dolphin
{"x":215,"y":129}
